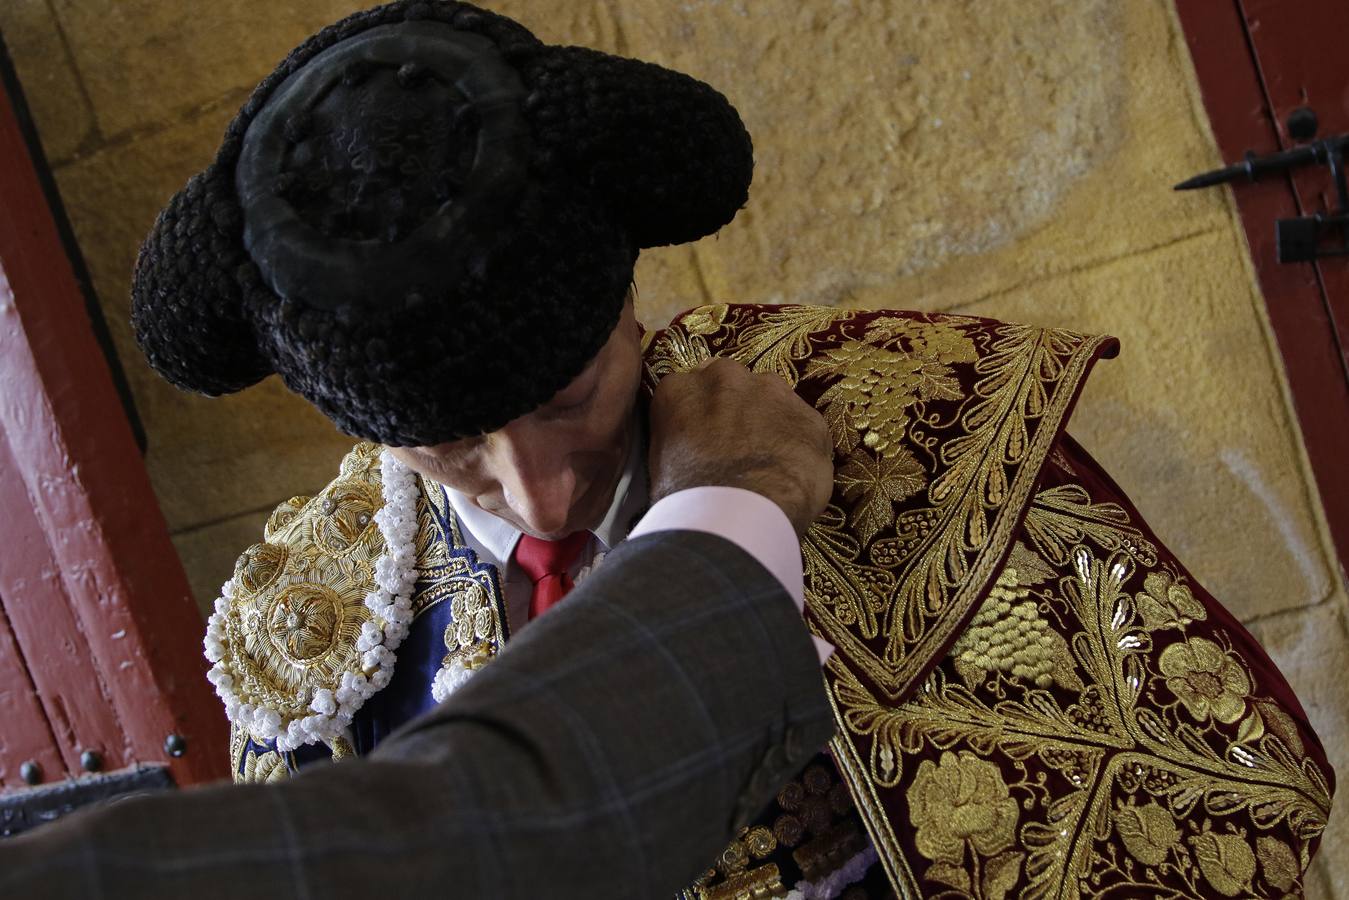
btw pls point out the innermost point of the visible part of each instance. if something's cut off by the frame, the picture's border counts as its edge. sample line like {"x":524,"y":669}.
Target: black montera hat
{"x":426,"y":220}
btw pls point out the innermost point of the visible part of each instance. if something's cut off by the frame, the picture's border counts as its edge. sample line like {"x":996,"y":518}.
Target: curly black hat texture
{"x":426,"y":220}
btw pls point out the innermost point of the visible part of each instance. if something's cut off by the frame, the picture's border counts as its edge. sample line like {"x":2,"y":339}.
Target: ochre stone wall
{"x":1009,"y":158}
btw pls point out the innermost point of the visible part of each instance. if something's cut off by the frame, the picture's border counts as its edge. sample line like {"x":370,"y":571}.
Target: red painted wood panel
{"x":1301,"y":51}
{"x":1299,"y":311}
{"x":97,"y":580}
{"x":24,"y":735}
{"x":70,"y":688}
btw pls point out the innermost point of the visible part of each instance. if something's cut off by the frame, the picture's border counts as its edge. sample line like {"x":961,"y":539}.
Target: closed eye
{"x":574,"y":407}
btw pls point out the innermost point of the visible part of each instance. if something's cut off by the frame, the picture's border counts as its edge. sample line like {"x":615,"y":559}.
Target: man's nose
{"x":537,"y":485}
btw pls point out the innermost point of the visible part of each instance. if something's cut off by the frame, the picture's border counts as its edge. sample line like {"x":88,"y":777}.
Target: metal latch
{"x":1305,"y":237}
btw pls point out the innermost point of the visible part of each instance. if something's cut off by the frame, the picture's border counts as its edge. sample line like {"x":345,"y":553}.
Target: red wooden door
{"x":1257,"y":61}
{"x":100,"y":641}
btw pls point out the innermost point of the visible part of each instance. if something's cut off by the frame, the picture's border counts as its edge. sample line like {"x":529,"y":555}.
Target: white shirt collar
{"x":496,"y":538}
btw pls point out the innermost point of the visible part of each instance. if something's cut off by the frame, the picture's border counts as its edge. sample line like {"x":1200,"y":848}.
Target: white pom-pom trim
{"x":391,"y":604}
{"x":833,"y":884}
{"x":449,"y":679}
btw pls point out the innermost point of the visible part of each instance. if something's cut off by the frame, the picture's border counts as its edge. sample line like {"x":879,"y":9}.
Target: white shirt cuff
{"x":751,"y":521}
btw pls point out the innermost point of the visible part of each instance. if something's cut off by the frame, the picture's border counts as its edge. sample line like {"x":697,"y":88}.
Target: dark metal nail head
{"x":1302,"y":123}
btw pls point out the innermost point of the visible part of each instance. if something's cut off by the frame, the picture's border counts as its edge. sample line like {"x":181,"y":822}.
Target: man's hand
{"x":720,"y":424}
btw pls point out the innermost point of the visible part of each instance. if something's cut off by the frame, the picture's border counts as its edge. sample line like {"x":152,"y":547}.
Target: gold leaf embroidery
{"x":1001,"y":873}
{"x":704,"y":320}
{"x":1251,"y":729}
{"x":298,"y":604}
{"x":1282,"y":725}
{"x":1148,"y":832}
{"x":888,"y":384}
{"x":956,"y":876}
{"x":299,"y":633}
{"x":1156,"y":767}
{"x":852,"y":593}
{"x":1226,"y":861}
{"x":264,"y":768}
{"x":1063,"y":516}
{"x":778,"y":339}
{"x":1277,"y":863}
{"x":886,"y":597}
{"x":877,"y":483}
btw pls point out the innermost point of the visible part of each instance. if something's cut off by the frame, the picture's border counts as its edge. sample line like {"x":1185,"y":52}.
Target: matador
{"x":425,"y":220}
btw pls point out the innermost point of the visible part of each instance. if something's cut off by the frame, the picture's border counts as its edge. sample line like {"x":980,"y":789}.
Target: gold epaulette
{"x":296,"y":605}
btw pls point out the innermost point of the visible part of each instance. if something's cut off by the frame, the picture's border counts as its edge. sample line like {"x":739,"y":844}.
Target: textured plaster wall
{"x":1010,"y":158}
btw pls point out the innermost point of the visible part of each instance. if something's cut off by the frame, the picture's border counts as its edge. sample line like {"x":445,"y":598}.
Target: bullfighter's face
{"x":552,"y":471}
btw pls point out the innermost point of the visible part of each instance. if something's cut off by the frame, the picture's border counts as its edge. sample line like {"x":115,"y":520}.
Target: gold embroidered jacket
{"x":1034,"y":697}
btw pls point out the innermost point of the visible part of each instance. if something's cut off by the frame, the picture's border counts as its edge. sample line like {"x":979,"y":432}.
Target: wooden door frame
{"x":1244,"y":117}
{"x":100,"y":640}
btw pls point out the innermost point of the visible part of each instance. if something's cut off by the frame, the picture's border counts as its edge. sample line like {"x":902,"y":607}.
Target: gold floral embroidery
{"x":1187,"y":805}
{"x":471,"y":618}
{"x":1165,"y":603}
{"x":299,"y":632}
{"x":942,"y":425}
{"x":299,"y":597}
{"x":961,"y":800}
{"x":1207,"y":679}
{"x":305,"y":622}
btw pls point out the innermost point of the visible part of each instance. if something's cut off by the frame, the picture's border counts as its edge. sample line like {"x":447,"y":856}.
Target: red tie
{"x":547,"y":564}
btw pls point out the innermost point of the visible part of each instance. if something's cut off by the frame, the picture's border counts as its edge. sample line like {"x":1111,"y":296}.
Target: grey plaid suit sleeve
{"x":610,"y":752}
